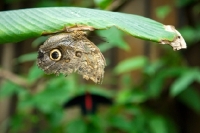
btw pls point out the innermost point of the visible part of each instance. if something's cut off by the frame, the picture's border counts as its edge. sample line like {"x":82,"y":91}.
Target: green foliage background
{"x":131,"y":111}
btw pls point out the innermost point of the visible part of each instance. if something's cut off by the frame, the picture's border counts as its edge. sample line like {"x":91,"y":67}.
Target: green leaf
{"x":117,"y":120}
{"x":182,"y":3}
{"x":191,"y":98}
{"x":96,"y":124}
{"x":76,"y":126}
{"x":114,"y":38}
{"x":16,"y":122}
{"x":8,"y":89}
{"x":103,"y":3}
{"x":39,"y":41}
{"x":152,"y":68}
{"x":55,"y":93}
{"x":27,"y":57}
{"x":35,"y":73}
{"x":105,"y":46}
{"x":131,"y":96}
{"x":191,"y":34}
{"x":95,"y":89}
{"x":171,"y":125}
{"x":130,"y":64}
{"x":123,"y":96}
{"x":163,"y":11}
{"x":158,"y":125}
{"x":183,"y":82}
{"x":156,"y":83}
{"x":18,"y":25}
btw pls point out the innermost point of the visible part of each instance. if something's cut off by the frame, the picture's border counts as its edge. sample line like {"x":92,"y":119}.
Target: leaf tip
{"x":178,"y":43}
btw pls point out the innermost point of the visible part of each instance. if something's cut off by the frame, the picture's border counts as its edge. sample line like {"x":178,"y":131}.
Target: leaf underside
{"x":18,"y":25}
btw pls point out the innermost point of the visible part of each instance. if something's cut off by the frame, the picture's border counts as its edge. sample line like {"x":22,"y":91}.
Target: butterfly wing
{"x":75,"y":54}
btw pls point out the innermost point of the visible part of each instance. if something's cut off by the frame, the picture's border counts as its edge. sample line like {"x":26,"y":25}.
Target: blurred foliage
{"x":103,"y":4}
{"x":40,"y":107}
{"x":191,"y":34}
{"x":163,"y":11}
{"x":130,"y":64}
{"x":182,"y":3}
{"x":112,"y":40}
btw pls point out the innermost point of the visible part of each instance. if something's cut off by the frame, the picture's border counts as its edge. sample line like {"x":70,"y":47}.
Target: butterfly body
{"x":72,"y":52}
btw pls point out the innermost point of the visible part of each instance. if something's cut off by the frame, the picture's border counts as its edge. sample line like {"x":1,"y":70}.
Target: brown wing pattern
{"x":72,"y":52}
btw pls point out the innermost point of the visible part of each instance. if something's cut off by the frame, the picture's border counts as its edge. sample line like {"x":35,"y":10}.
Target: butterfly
{"x":72,"y":52}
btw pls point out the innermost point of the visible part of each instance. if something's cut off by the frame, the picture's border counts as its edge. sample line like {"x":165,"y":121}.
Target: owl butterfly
{"x":72,"y":52}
